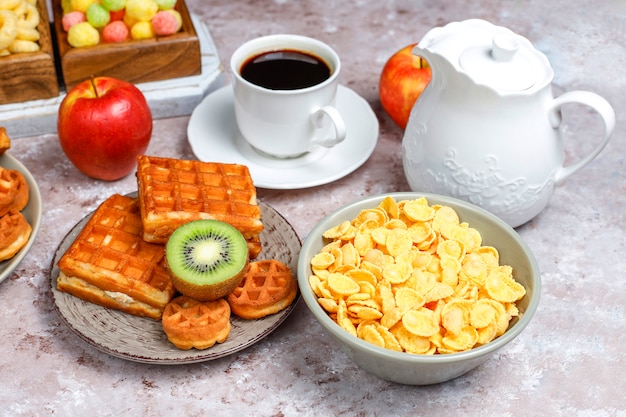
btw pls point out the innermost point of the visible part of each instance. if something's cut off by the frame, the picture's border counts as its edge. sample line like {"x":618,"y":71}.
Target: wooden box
{"x":135,"y":61}
{"x":30,"y":76}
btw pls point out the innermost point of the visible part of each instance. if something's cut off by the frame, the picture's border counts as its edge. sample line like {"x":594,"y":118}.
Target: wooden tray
{"x":30,"y":76}
{"x":135,"y":61}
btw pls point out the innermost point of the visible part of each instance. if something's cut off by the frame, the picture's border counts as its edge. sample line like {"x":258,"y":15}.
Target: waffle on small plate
{"x":109,"y":263}
{"x":173,"y":192}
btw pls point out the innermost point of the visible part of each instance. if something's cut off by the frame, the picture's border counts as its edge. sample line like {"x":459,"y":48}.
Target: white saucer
{"x":214,"y":136}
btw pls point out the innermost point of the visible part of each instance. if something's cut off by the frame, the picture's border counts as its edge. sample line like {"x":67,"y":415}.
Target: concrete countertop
{"x":571,"y":359}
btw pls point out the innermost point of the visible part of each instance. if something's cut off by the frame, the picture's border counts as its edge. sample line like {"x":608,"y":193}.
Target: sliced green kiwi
{"x":206,"y":259}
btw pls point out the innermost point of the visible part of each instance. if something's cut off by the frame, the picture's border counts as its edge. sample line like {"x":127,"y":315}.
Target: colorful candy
{"x":71,"y":18}
{"x":97,"y":15}
{"x":164,"y":23}
{"x":142,"y":10}
{"x":142,"y":30}
{"x":115,"y":31}
{"x":143,"y":19}
{"x":83,"y":34}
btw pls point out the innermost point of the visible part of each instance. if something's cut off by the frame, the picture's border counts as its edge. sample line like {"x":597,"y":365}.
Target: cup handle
{"x":595,"y":102}
{"x":317,"y":118}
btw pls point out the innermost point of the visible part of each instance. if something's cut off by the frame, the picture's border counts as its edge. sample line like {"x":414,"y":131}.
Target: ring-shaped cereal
{"x":9,"y":4}
{"x":27,"y":34}
{"x":30,"y":18}
{"x":20,"y":9}
{"x":20,"y":46}
{"x":8,"y":28}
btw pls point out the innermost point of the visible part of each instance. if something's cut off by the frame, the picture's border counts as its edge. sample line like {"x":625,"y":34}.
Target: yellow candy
{"x":142,"y":10}
{"x":80,"y":5}
{"x":83,"y":34}
{"x":142,"y":30}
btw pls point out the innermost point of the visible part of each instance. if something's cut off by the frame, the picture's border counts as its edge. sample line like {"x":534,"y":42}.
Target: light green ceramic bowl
{"x":414,"y":369}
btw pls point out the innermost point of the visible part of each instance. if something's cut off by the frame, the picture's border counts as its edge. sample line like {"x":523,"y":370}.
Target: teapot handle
{"x":595,"y":102}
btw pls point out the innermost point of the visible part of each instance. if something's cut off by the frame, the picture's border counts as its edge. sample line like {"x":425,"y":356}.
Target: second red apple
{"x":402,"y":80}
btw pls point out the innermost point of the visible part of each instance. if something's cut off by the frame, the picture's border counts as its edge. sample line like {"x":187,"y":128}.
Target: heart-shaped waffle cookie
{"x":14,"y":234}
{"x":14,"y":191}
{"x":190,"y":323}
{"x":267,"y":288}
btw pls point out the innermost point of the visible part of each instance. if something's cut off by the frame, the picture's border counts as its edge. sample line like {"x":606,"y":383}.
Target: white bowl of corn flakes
{"x":418,"y":288}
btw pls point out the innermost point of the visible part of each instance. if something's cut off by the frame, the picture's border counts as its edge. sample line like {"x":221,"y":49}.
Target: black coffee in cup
{"x":285,"y":70}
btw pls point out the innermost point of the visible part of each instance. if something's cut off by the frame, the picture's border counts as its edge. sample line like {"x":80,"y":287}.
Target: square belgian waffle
{"x":173,"y":192}
{"x":110,"y":264}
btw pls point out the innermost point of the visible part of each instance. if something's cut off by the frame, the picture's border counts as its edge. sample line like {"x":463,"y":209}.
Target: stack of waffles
{"x":14,"y":196}
{"x":173,"y":192}
{"x":118,"y":259}
{"x":111,"y":265}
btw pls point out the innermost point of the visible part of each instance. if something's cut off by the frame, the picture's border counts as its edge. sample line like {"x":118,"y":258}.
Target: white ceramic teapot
{"x":486,"y":128}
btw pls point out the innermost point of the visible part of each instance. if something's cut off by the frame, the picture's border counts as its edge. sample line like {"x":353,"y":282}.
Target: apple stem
{"x":93,"y":86}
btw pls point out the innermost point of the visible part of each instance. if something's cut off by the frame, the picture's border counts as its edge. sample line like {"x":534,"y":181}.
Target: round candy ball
{"x":71,"y":18}
{"x":83,"y":34}
{"x":142,"y":30}
{"x":143,"y":10}
{"x":97,"y":15}
{"x":115,"y":31}
{"x":164,"y":24}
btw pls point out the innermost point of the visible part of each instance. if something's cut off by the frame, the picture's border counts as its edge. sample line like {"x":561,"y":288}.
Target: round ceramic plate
{"x":32,"y":212}
{"x":213,"y":136}
{"x":142,"y":339}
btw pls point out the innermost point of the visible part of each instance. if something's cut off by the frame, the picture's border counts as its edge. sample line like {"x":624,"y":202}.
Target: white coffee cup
{"x":287,"y":123}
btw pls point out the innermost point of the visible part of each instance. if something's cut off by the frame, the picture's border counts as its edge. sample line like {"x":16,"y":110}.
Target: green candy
{"x":166,"y":4}
{"x":97,"y":15}
{"x":114,"y":5}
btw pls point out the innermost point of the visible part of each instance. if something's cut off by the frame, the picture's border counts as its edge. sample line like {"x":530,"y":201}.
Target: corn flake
{"x":410,"y":342}
{"x":421,"y":322}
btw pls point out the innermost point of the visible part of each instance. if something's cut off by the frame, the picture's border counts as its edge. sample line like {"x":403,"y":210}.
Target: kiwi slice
{"x":206,"y":259}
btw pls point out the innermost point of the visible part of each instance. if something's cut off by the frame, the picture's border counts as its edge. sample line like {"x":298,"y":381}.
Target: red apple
{"x":402,"y":80}
{"x":103,"y":125}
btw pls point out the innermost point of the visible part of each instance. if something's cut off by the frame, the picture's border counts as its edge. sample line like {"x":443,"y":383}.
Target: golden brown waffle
{"x":5,"y":141}
{"x":267,"y":288}
{"x":14,"y":191}
{"x":173,"y":192}
{"x":111,"y":265}
{"x":189,"y":323}
{"x":14,"y":234}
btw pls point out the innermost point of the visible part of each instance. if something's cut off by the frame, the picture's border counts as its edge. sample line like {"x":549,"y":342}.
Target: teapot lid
{"x":490,"y":55}
{"x":502,"y":65}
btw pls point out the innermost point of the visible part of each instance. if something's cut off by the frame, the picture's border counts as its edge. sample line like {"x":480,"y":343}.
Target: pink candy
{"x":70,"y":19}
{"x":164,"y":23}
{"x":115,"y":31}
